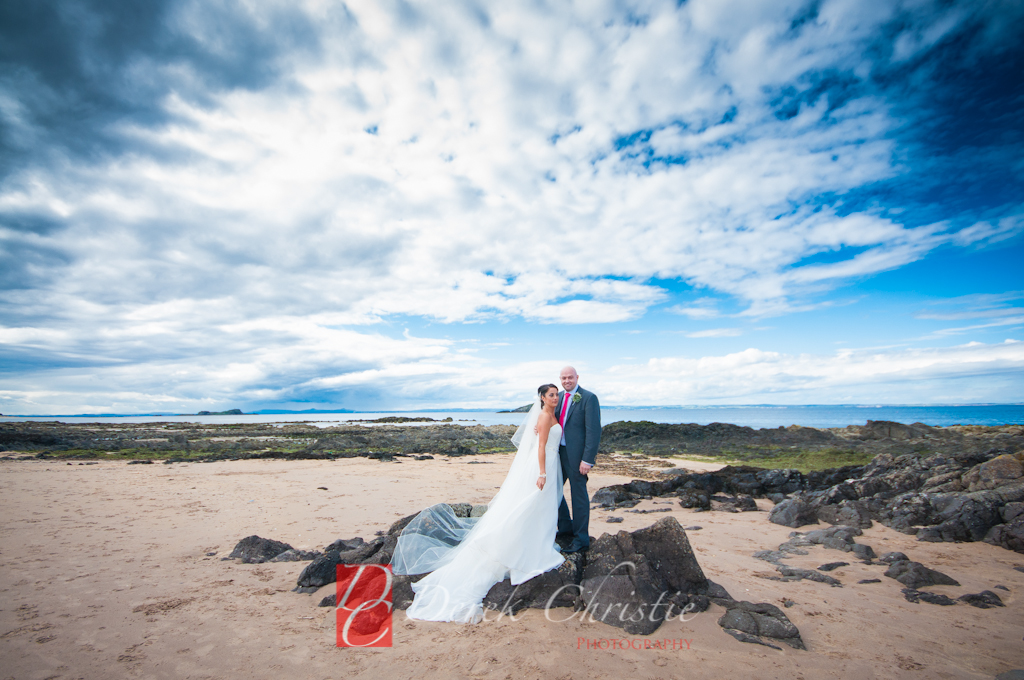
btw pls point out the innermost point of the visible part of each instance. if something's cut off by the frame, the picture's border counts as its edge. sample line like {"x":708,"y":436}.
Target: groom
{"x":579,"y":414}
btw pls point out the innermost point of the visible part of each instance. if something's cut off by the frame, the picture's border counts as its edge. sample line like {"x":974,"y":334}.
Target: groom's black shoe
{"x":575,"y":546}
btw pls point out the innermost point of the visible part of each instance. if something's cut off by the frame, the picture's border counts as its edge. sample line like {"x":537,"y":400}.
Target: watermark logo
{"x":364,"y":605}
{"x":679,"y":644}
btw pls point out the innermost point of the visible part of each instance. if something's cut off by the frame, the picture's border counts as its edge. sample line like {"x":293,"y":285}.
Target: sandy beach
{"x":106,"y":573}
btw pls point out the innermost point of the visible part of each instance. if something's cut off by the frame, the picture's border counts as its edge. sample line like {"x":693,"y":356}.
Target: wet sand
{"x":105,"y":573}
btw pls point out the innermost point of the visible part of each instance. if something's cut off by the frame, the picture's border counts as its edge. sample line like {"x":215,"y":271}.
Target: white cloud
{"x":716,"y":333}
{"x":548,"y":163}
{"x":966,"y":373}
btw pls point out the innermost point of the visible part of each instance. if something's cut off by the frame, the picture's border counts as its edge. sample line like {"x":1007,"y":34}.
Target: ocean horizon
{"x":754,"y":415}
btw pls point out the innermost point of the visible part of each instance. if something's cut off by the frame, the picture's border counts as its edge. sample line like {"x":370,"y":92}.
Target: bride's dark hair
{"x":543,"y":389}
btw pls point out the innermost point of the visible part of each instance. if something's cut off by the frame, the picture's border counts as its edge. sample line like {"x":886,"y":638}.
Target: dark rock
{"x":295,"y":556}
{"x":847,"y":512}
{"x":781,"y":481}
{"x":625,"y":601}
{"x":695,"y":499}
{"x":256,"y":550}
{"x":401,"y":590}
{"x":836,"y":537}
{"x":865,"y":552}
{"x":797,"y":574}
{"x":629,"y":575}
{"x":614,"y":520}
{"x":1010,"y":511}
{"x":772,"y":556}
{"x":833,"y":565}
{"x":793,"y":512}
{"x":823,"y":479}
{"x":396,"y":528}
{"x":746,"y":483}
{"x":761,"y":620}
{"x":745,"y":504}
{"x":870,"y":580}
{"x":951,"y":516}
{"x":915,"y":575}
{"x":753,"y":639}
{"x":1009,"y":535}
{"x":461,"y":509}
{"x":917,"y":596}
{"x":344,"y":545}
{"x":329,"y":601}
{"x":694,"y":528}
{"x":1002,"y":588}
{"x":999,"y":471}
{"x":324,"y":569}
{"x":890,"y":557}
{"x":609,"y":496}
{"x":986,"y":599}
{"x":717,"y":594}
{"x":137,"y":462}
{"x":555,"y":588}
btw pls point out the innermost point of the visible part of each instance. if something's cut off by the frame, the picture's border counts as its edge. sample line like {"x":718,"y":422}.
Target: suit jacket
{"x":582,"y":427}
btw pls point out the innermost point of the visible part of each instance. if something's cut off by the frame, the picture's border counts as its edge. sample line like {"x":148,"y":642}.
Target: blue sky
{"x":389,"y":205}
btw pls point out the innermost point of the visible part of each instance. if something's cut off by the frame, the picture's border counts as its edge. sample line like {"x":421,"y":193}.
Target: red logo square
{"x":364,"y":605}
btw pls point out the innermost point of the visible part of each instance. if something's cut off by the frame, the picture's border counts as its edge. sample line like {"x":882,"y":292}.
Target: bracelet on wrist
{"x":543,"y":474}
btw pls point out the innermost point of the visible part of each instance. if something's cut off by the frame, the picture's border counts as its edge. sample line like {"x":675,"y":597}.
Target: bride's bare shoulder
{"x":545,"y":419}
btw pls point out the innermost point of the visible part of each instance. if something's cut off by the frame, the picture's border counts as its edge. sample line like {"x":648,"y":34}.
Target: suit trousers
{"x":579,"y":523}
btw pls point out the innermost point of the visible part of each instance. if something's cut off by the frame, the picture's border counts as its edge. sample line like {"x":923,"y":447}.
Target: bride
{"x":514,"y":538}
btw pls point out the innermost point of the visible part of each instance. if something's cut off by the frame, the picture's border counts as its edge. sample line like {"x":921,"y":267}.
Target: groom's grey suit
{"x":582,"y":432}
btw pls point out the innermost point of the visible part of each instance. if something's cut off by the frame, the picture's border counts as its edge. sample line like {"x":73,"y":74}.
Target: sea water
{"x":757,"y":416}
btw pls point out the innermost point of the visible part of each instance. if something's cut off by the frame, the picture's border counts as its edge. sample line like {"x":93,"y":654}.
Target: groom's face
{"x":569,"y":379}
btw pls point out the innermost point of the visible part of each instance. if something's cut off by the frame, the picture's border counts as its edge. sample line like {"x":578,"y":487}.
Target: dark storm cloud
{"x":77,"y":67}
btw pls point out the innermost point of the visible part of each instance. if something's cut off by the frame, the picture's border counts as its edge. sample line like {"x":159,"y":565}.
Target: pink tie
{"x":565,"y":409}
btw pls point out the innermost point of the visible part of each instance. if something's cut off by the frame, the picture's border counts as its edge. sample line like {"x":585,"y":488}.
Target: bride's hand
{"x":540,"y":482}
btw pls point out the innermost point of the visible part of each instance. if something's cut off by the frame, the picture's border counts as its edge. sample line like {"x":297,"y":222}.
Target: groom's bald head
{"x":568,"y":378}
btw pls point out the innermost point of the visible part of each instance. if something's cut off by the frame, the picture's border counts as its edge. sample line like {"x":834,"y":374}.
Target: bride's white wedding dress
{"x":466,"y":557}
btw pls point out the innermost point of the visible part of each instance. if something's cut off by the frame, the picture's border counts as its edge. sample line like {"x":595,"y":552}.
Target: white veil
{"x":430,"y":539}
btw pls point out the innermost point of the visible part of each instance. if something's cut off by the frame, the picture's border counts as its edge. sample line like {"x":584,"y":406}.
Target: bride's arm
{"x":544,"y":424}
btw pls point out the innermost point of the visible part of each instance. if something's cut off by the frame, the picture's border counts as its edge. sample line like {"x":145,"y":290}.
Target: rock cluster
{"x":956,"y":497}
{"x":214,"y":442}
{"x":938,"y":498}
{"x":874,"y":437}
{"x":631,"y":580}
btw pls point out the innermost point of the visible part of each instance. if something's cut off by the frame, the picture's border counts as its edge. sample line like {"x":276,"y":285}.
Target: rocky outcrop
{"x":874,"y":437}
{"x":216,"y":442}
{"x":963,"y":497}
{"x":793,"y":512}
{"x":760,"y":621}
{"x":556,"y":588}
{"x":915,"y":575}
{"x":634,"y":580}
{"x":986,"y":599}
{"x":256,"y":550}
{"x":835,"y":538}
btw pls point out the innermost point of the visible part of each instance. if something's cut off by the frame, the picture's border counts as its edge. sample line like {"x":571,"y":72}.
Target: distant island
{"x":521,"y":409}
{"x":232,"y":412}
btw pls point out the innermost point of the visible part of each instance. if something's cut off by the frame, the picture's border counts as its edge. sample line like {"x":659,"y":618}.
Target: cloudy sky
{"x":387,"y":204}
